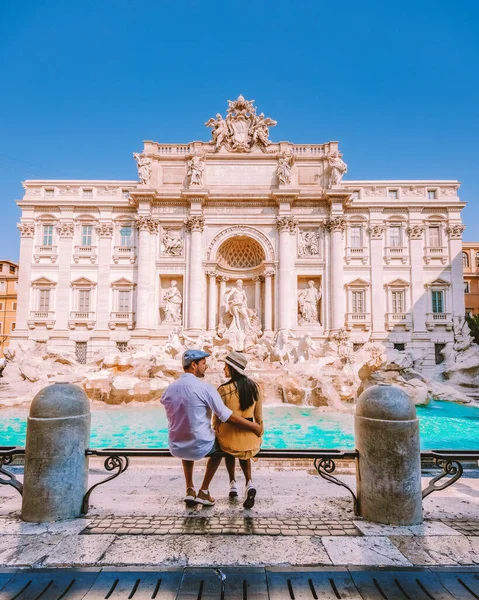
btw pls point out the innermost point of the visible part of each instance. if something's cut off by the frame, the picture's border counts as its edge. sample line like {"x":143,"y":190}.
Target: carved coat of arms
{"x":242,"y":129}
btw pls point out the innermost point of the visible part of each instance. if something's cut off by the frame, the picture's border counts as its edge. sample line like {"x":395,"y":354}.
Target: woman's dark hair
{"x":247,"y":389}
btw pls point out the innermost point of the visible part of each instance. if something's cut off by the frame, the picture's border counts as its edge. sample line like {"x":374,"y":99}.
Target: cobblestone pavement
{"x":218,"y":526}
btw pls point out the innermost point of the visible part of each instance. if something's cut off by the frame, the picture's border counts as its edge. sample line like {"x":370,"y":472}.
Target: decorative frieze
{"x":26,"y":229}
{"x":308,"y":243}
{"x":376,"y":232}
{"x":415,"y":232}
{"x":68,"y":190}
{"x":375,"y":191}
{"x":452,"y":191}
{"x":172,"y":242}
{"x":104,"y":230}
{"x":413,"y":191}
{"x":107,"y":191}
{"x":65,"y":229}
{"x":336,"y":224}
{"x":33,"y":191}
{"x":286,"y":224}
{"x":194,"y":223}
{"x":455,"y":231}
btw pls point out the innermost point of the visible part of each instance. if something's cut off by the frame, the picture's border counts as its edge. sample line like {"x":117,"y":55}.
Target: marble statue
{"x":172,"y":242}
{"x":306,"y":349}
{"x":337,"y":169}
{"x":172,"y":301}
{"x":195,"y":171}
{"x":282,"y":350}
{"x":308,"y":304}
{"x":308,"y":243}
{"x":144,"y":168}
{"x":219,"y":130}
{"x":283,"y":170}
{"x":237,"y":306}
{"x":242,"y":129}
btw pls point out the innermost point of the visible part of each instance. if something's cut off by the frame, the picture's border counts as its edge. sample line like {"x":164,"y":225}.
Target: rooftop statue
{"x":242,"y":129}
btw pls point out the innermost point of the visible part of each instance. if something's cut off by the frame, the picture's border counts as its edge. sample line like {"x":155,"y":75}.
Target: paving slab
{"x":427,"y":528}
{"x":79,"y":550}
{"x":187,"y":550}
{"x":371,"y":550}
{"x":438,"y":550}
{"x":26,"y":550}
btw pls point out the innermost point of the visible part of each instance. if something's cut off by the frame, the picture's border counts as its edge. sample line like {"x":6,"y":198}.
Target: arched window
{"x":465,"y":259}
{"x":477,"y":259}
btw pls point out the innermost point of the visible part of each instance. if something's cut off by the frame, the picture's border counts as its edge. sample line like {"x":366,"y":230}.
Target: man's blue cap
{"x":190,"y":355}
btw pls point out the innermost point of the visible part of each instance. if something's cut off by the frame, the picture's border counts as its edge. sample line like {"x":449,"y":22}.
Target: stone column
{"x":212,"y":300}
{"x":268,"y":301}
{"x":458,"y":308}
{"x":65,"y":232}
{"x":287,"y":284}
{"x":27,"y":233}
{"x":419,"y":297}
{"x":336,"y":302}
{"x":104,"y":232}
{"x":257,"y":296}
{"x":143,"y":291}
{"x":194,"y":225}
{"x":377,"y":301}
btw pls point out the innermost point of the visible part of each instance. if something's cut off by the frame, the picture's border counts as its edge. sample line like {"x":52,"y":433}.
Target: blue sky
{"x":85,"y":82}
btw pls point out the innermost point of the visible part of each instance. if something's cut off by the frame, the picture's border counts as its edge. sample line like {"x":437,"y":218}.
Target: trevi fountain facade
{"x":243,"y":243}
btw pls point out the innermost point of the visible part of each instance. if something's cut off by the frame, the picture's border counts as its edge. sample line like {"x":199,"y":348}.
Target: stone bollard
{"x":56,"y":468}
{"x":388,"y":476}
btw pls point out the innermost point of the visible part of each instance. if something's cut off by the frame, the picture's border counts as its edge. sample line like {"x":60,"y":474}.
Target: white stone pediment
{"x":439,"y":282}
{"x":358,"y":283}
{"x":43,"y":281}
{"x":122,"y":282}
{"x":83,"y":281}
{"x":398,"y":283}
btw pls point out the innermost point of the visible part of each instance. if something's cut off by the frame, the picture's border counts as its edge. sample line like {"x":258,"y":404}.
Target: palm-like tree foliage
{"x":473,"y":322}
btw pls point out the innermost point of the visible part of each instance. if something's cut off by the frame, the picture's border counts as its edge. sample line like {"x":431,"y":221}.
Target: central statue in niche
{"x":244,"y":327}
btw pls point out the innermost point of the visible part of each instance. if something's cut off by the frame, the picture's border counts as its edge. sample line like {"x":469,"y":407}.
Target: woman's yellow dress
{"x":232,"y":439}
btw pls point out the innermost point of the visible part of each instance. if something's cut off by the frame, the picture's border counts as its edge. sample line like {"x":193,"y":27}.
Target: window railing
{"x":46,"y":249}
{"x":439,"y":316}
{"x":82,"y":315}
{"x":42,"y":314}
{"x":358,"y":317}
{"x":121,"y":316}
{"x":84,"y":249}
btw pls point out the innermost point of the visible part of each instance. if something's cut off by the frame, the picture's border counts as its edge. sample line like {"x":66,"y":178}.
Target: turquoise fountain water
{"x":442,"y":425}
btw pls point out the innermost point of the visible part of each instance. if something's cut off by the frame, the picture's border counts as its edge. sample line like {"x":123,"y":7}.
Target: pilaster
{"x":194,"y":226}
{"x":104,"y":232}
{"x":27,"y":233}
{"x":287,"y":285}
{"x":65,"y":232}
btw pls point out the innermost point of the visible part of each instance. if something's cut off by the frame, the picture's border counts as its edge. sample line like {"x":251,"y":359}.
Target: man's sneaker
{"x":190,"y":497}
{"x":205,"y":498}
{"x":250,"y":495}
{"x":233,"y":489}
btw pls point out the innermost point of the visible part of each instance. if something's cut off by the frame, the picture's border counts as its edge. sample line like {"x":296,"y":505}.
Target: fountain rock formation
{"x":290,"y":370}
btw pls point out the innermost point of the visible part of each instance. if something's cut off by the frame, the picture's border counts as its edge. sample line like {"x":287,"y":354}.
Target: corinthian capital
{"x":143,"y":223}
{"x":336,"y":224}
{"x":26,"y":229}
{"x":65,"y":229}
{"x":455,"y":231}
{"x":286,"y":224}
{"x":195,"y":223}
{"x":104,"y":230}
{"x":416,"y":232}
{"x":376,"y":232}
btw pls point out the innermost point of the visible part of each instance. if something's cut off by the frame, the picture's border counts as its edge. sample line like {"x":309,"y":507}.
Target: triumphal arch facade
{"x":239,"y":238}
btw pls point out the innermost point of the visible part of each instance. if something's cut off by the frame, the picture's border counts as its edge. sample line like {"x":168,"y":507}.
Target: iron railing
{"x":118,"y":461}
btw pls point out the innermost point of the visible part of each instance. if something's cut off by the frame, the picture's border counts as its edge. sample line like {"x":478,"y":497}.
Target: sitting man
{"x":190,"y":403}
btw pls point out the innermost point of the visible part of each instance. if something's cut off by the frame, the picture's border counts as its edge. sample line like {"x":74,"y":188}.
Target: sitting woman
{"x":243,"y":397}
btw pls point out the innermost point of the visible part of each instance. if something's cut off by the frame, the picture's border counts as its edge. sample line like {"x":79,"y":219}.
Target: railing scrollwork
{"x":325,"y":468}
{"x":120,"y":463}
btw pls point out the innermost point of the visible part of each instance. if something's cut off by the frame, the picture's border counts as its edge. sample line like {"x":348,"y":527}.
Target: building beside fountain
{"x":239,"y":237}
